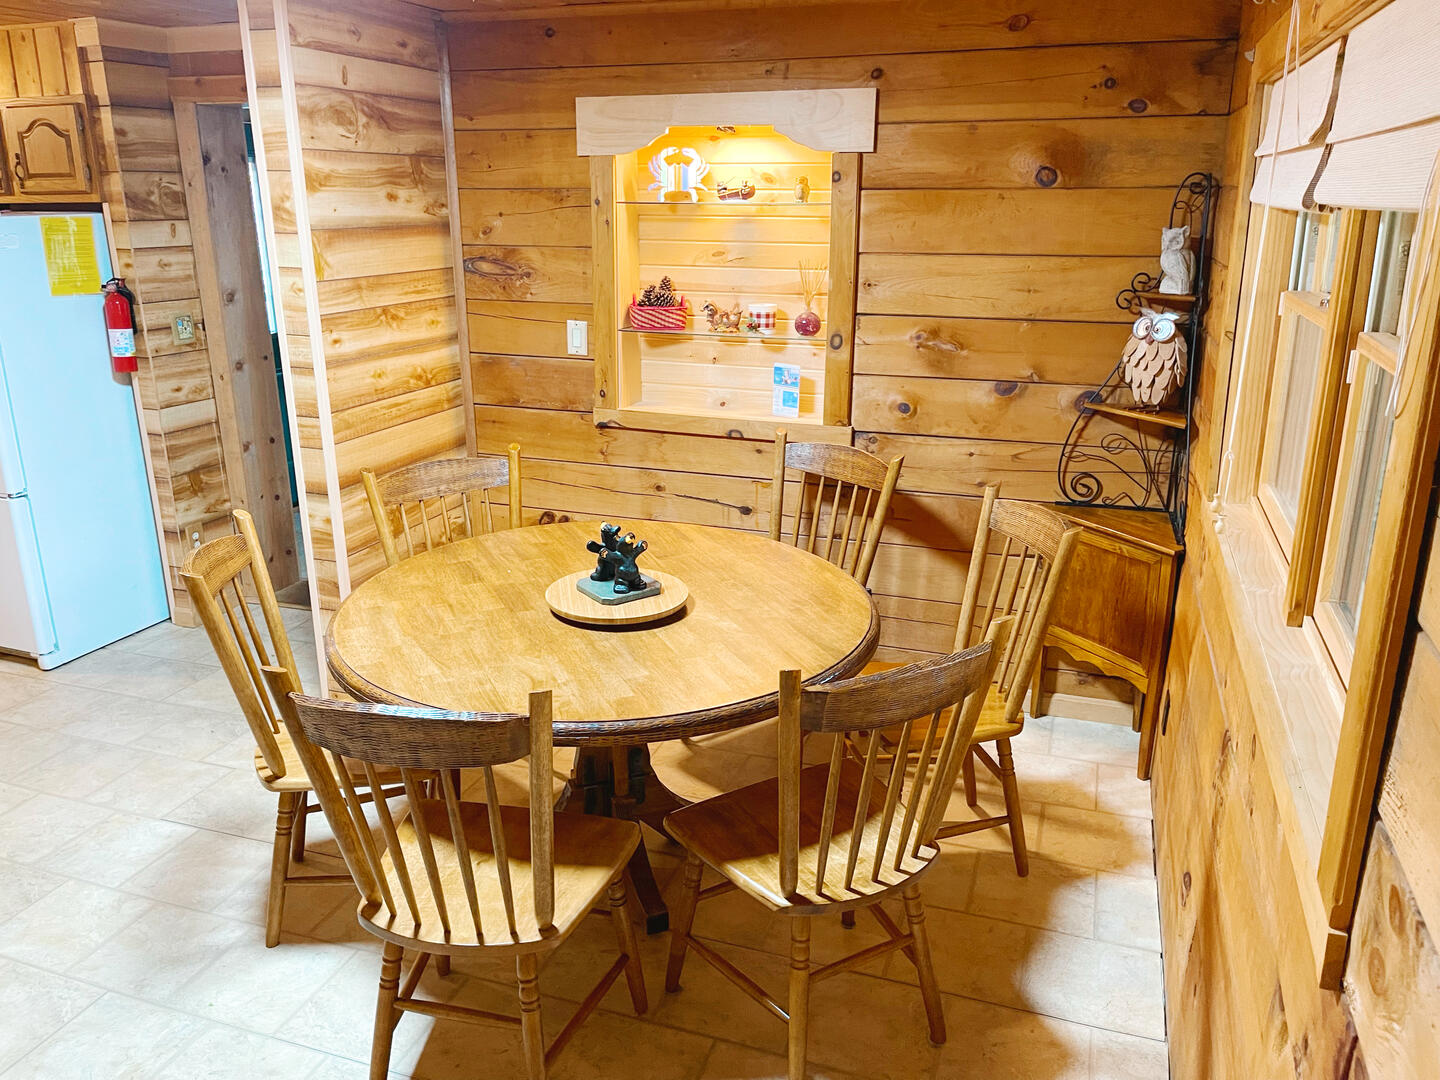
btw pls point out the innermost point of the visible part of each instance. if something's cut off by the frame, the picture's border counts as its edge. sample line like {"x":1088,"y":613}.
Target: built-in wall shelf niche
{"x":659,"y":164}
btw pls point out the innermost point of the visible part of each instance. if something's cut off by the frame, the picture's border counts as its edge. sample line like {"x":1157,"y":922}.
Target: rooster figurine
{"x":1155,"y":359}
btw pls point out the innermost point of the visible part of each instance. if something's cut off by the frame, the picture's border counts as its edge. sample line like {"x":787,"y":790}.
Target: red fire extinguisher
{"x":120,"y":324}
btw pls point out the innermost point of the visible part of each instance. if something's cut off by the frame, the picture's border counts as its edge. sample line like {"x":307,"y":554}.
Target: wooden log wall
{"x":138,"y":158}
{"x":1242,"y":996}
{"x":348,"y":110}
{"x":1024,"y":164}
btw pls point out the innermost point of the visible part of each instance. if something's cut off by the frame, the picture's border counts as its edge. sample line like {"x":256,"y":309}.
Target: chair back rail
{"x":430,"y":503}
{"x":212,"y":576}
{"x":916,"y":788}
{"x":424,"y":834}
{"x":842,"y":503}
{"x":1022,"y":579}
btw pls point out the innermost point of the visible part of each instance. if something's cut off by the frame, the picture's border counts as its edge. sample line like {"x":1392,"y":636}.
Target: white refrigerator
{"x":80,"y":562}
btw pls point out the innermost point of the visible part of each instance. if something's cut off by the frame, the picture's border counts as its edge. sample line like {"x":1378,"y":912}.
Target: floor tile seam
{"x":105,"y":991}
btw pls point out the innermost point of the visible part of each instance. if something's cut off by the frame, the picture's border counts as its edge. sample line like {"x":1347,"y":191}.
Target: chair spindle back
{"x":209,"y":571}
{"x":438,"y":876}
{"x":1021,"y":580}
{"x":842,"y":505}
{"x":430,"y":503}
{"x":922,"y":693}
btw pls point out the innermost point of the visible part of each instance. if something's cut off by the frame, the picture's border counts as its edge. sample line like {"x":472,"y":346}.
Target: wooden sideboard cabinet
{"x":46,"y":150}
{"x":1115,"y":612}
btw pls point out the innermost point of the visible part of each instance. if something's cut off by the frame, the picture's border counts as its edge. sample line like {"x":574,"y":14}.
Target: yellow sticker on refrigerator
{"x":70,"y":255}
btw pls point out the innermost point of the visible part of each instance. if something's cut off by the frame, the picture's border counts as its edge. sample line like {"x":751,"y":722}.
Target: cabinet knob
{"x":19,"y":169}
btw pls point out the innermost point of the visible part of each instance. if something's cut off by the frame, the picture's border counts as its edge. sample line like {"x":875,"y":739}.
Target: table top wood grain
{"x":466,"y":627}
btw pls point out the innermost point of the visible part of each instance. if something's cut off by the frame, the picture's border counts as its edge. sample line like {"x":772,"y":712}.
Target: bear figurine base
{"x":603,"y":592}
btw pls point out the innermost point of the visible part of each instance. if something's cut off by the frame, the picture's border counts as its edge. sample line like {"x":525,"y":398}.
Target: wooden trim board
{"x":840,"y":121}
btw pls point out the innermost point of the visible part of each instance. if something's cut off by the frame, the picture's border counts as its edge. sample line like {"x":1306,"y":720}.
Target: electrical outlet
{"x":184,"y":329}
{"x":577,"y":337}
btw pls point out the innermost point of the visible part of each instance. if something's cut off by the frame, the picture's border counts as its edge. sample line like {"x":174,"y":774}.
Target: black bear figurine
{"x":627,"y":574}
{"x":603,"y":548}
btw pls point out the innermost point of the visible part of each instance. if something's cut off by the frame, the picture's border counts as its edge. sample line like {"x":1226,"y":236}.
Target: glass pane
{"x":1287,"y":462}
{"x":1387,"y":281}
{"x":1312,"y":265}
{"x":1362,"y":496}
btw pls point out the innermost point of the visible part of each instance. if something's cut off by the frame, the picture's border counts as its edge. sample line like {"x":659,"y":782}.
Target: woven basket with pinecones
{"x":658,"y":308}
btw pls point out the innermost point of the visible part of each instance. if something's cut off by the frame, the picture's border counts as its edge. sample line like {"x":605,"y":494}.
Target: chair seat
{"x":589,"y":852}
{"x":737,"y":834}
{"x":297,"y":779}
{"x":991,"y":725}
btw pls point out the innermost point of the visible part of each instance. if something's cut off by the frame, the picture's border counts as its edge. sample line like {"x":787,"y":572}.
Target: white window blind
{"x":1293,"y":136}
{"x":1386,"y":130}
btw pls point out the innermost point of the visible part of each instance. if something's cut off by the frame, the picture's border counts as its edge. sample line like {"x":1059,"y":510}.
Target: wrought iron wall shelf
{"x":1145,"y":466}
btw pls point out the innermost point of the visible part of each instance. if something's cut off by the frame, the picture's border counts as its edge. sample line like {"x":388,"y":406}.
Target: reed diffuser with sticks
{"x":812,"y":281}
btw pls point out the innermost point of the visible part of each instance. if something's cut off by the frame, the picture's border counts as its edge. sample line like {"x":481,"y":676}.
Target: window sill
{"x":1288,"y":668}
{"x":1293,"y":691}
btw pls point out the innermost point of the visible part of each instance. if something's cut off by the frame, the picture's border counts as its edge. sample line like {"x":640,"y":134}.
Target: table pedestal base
{"x":618,"y":781}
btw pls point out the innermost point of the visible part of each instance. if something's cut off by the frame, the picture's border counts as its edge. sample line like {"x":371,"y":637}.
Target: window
{"x":1365,"y":443}
{"x":1297,"y":372}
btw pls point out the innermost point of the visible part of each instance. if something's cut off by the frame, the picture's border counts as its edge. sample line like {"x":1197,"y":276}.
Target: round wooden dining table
{"x":466,"y":627}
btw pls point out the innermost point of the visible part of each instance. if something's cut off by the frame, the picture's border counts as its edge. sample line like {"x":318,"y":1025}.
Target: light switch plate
{"x":577,"y":337}
{"x":184,"y":329}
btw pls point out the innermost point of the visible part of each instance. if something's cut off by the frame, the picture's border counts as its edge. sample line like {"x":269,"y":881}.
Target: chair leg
{"x":924,"y":967}
{"x":532,"y":1029}
{"x":297,"y":835}
{"x":279,"y":866}
{"x":625,"y":939}
{"x":1012,"y":807}
{"x":799,"y":1004}
{"x":385,"y":1015}
{"x":682,"y":918}
{"x":968,"y":773}
{"x":847,"y":919}
{"x":442,"y":964}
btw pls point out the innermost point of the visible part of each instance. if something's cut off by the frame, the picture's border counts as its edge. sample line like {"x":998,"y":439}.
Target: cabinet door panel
{"x":45,"y":145}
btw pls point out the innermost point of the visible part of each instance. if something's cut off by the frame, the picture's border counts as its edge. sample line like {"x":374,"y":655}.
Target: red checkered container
{"x":659,"y":318}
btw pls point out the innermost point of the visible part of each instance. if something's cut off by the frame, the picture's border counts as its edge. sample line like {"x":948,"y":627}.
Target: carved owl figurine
{"x":1177,"y":261}
{"x":1156,"y":358}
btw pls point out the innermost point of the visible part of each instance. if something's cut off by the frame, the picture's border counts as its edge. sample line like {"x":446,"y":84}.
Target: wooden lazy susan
{"x":568,"y":602}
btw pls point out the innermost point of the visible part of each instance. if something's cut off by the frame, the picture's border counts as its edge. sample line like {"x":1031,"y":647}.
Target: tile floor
{"x":134,"y":847}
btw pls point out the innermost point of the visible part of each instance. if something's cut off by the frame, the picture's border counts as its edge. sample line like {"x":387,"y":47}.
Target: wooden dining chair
{"x":448,"y":877}
{"x":212,"y":576}
{"x":838,"y":836}
{"x":842,"y":504}
{"x":1019,"y":560}
{"x":434,"y":502}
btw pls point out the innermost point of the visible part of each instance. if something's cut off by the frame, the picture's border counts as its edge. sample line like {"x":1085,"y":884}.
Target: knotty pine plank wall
{"x":348,"y":110}
{"x":1024,"y":164}
{"x":138,"y":164}
{"x":1241,"y":993}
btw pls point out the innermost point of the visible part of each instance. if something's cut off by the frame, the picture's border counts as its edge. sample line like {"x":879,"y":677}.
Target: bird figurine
{"x":1177,"y":261}
{"x":1155,"y":358}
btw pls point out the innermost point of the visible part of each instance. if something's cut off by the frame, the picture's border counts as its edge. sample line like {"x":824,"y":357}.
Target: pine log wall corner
{"x":128,"y":70}
{"x":1024,"y":163}
{"x":349,"y":121}
{"x":1240,"y":956}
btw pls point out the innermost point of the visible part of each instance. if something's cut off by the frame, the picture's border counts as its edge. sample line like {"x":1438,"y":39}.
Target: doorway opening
{"x":242,"y":322}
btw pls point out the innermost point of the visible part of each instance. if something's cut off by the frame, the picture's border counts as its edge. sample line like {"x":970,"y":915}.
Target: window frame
{"x":1312,"y":307}
{"x":1382,"y":350}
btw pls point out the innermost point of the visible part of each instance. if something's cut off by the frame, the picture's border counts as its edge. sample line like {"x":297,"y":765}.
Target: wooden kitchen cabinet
{"x":46,"y":151}
{"x":1115,"y":612}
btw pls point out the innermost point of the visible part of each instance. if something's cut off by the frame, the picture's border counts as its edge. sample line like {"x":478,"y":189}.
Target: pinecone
{"x":661,"y":295}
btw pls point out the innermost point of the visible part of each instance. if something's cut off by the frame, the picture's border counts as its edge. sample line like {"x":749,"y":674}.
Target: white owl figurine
{"x":1177,"y":261}
{"x":1156,"y":358}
